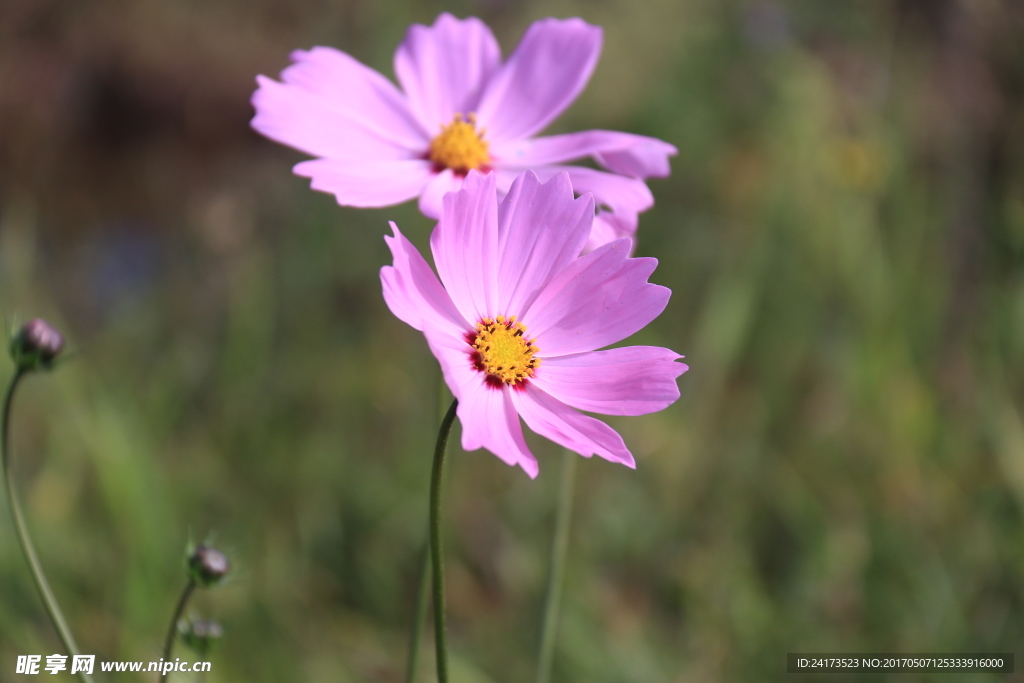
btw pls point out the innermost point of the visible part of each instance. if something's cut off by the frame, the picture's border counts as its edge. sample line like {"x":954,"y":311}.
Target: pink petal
{"x":432,"y":199}
{"x":452,"y":353}
{"x":465,"y":243}
{"x":623,"y":195}
{"x":580,"y":433}
{"x":619,"y":199}
{"x":304,"y":120}
{"x":541,"y":229}
{"x":325,"y":88}
{"x":633,"y":380}
{"x":413,"y":292}
{"x":443,"y":68}
{"x":597,"y":300}
{"x":547,"y":71}
{"x":489,"y":420}
{"x":367,"y":183}
{"x":609,"y":227}
{"x":624,"y":153}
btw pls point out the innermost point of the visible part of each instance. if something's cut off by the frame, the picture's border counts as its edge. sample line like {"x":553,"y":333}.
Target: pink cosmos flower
{"x":461,"y":109}
{"x":517,"y":315}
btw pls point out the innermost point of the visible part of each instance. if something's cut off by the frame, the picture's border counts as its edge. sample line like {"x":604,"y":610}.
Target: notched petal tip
{"x":447,"y":18}
{"x":560,"y":181}
{"x":531,"y":468}
{"x":570,"y":24}
{"x":300,"y":55}
{"x":262,"y":82}
{"x":476,"y":179}
{"x":305,"y":169}
{"x":474,"y":184}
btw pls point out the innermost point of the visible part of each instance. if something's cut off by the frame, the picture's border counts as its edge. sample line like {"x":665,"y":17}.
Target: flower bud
{"x":200,"y":635}
{"x":207,"y":566}
{"x":36,"y":345}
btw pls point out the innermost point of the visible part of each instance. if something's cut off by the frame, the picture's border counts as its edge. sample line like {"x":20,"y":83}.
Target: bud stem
{"x":52,"y":608}
{"x":173,"y":630}
{"x":440,"y":636}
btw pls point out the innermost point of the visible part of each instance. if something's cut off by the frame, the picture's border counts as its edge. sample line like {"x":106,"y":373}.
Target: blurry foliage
{"x":844,"y":236}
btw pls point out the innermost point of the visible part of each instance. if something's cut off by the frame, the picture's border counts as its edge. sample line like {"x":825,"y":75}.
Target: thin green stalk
{"x":422,"y":601}
{"x":422,"y":588}
{"x":556,"y":571}
{"x":49,"y":600}
{"x":173,"y":629}
{"x":440,"y":636}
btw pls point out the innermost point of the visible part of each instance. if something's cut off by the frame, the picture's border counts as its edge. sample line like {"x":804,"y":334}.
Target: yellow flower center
{"x":502,"y":352}
{"x":460,"y":146}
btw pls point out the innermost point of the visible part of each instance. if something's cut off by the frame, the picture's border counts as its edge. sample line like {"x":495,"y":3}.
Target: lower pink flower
{"x":518,"y":315}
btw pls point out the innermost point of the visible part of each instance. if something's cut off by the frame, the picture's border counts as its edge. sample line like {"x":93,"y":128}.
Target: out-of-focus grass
{"x":843,"y":233}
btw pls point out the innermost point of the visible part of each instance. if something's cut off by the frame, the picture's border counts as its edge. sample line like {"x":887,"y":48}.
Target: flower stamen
{"x":460,"y":146}
{"x":502,"y":352}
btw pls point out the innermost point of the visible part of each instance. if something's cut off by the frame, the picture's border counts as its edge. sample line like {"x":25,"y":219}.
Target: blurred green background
{"x":843,"y":233}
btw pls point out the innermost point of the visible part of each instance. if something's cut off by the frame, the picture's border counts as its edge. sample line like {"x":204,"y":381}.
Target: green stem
{"x":422,"y":589}
{"x":440,"y":637}
{"x":556,"y":572}
{"x":422,"y":601}
{"x":52,"y":608}
{"x":173,"y":629}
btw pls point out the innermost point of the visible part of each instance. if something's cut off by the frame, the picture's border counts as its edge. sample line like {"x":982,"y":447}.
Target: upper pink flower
{"x":461,"y":109}
{"x":517,"y":315}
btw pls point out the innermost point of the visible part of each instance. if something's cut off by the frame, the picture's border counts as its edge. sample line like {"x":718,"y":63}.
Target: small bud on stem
{"x":207,"y":566}
{"x":36,"y":345}
{"x":200,"y":635}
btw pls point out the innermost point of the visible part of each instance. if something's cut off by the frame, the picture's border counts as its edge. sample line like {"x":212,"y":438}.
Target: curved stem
{"x":173,"y":629}
{"x":556,"y":572}
{"x":440,"y":637}
{"x":49,"y":600}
